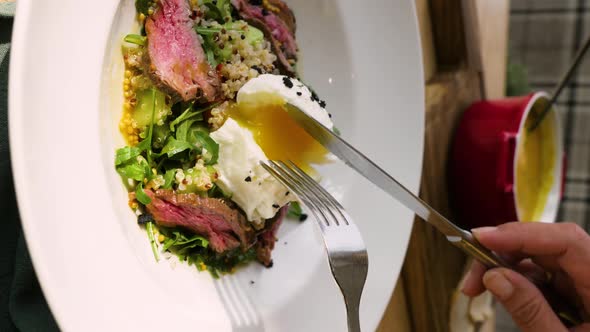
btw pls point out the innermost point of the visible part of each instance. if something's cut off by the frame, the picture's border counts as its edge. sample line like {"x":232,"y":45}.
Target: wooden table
{"x":460,"y":68}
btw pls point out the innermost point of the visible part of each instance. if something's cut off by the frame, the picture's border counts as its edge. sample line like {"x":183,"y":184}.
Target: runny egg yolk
{"x":279,"y":136}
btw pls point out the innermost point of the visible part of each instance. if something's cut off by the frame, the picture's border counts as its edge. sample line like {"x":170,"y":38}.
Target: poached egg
{"x":258,"y":129}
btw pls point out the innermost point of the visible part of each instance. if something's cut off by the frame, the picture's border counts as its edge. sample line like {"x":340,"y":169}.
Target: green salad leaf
{"x":135,"y":39}
{"x":219,"y":10}
{"x":125,"y":154}
{"x":137,"y":169}
{"x":296,"y":212}
{"x":182,"y":241}
{"x":150,"y":230}
{"x":143,"y":6}
{"x":207,"y":144}
{"x":141,"y":196}
{"x":169,"y":178}
{"x":183,"y":130}
{"x":174,"y":147}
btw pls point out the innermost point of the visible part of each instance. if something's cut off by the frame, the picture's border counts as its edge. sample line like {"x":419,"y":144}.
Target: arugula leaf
{"x":135,"y":171}
{"x":213,"y":12}
{"x":135,"y":39}
{"x":150,"y":230}
{"x":295,"y":211}
{"x":142,"y":6}
{"x":125,"y":154}
{"x":174,"y":147}
{"x":219,"y":10}
{"x":169,"y":178}
{"x":225,"y":8}
{"x":183,"y":130}
{"x":161,"y":134}
{"x":187,"y":114}
{"x":141,"y":196}
{"x":211,"y":57}
{"x":205,"y":142}
{"x":181,"y":241}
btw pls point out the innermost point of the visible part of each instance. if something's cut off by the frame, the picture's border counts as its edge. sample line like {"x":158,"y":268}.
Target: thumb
{"x":525,"y":303}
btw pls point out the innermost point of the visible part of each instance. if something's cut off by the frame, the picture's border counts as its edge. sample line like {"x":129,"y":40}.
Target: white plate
{"x":94,"y":263}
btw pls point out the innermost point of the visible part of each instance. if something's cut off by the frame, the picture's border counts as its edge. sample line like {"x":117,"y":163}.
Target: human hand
{"x":563,"y":249}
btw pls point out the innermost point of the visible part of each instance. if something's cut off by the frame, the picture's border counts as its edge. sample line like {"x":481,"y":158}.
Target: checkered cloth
{"x":544,"y":38}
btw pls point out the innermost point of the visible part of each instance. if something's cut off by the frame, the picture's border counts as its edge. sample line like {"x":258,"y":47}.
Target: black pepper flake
{"x":287,"y":81}
{"x":330,"y":115}
{"x":144,"y":218}
{"x":229,"y":38}
{"x":248,"y":179}
{"x":276,"y":206}
{"x":258,"y":69}
{"x":243,"y":37}
{"x":251,"y":282}
{"x":259,"y":183}
{"x":314,"y":96}
{"x":303,"y":217}
{"x":299,"y":93}
{"x":270,"y":264}
{"x":264,"y":12}
{"x":322,"y":104}
{"x":256,"y":2}
{"x":287,"y":193}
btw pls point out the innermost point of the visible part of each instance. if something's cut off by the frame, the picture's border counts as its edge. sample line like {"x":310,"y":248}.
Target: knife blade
{"x":371,"y":171}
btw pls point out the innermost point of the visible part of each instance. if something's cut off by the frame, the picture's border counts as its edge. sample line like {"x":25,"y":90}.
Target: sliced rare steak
{"x":219,"y":221}
{"x":278,"y":25}
{"x":177,"y":61}
{"x":268,"y":237}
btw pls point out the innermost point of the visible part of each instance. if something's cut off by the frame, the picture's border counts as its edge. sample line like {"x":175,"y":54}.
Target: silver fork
{"x":243,"y":315}
{"x":347,"y":253}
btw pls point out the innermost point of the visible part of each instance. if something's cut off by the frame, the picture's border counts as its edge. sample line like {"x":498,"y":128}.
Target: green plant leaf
{"x":141,"y":196}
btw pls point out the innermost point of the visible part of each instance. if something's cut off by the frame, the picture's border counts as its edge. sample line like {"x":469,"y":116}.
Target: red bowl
{"x":482,"y":167}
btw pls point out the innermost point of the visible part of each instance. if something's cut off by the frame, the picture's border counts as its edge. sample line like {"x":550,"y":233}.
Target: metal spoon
{"x":564,"y":80}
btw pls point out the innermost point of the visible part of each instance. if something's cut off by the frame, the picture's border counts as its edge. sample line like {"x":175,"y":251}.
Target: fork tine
{"x":280,"y":175}
{"x":230,"y":304}
{"x":249,"y":309}
{"x":311,"y":181}
{"x":310,"y":187}
{"x":319,"y":190}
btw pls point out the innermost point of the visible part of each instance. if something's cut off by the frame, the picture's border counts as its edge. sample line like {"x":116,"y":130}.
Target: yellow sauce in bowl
{"x":535,"y":164}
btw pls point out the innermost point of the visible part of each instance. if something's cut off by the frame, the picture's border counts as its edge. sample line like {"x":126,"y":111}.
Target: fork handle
{"x":352,"y":315}
{"x":568,"y":314}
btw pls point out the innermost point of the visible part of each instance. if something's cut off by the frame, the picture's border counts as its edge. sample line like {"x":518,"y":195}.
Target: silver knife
{"x":372,"y":172}
{"x":457,"y":236}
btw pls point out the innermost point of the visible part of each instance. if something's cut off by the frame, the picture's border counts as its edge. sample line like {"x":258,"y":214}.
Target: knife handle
{"x":568,"y":314}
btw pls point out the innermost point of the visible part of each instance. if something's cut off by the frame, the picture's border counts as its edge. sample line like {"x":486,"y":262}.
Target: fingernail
{"x":497,"y":283}
{"x":483,"y":230}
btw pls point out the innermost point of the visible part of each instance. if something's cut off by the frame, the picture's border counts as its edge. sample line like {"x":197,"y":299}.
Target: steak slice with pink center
{"x":225,"y":227}
{"x":176,"y":58}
